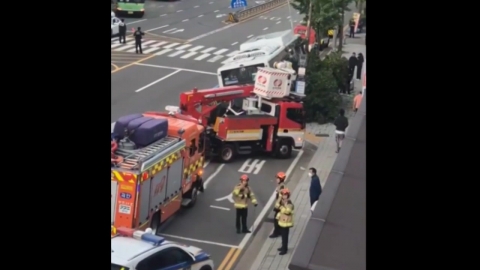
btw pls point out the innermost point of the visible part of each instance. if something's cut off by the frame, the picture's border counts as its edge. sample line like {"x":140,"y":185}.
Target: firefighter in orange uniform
{"x":285,"y":218}
{"x":280,"y":185}
{"x":241,"y":194}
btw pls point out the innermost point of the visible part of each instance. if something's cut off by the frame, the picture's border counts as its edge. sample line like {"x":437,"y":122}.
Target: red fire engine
{"x":245,"y":119}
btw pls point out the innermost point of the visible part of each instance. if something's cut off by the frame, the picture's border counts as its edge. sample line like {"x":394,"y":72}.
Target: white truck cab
{"x":115,"y":22}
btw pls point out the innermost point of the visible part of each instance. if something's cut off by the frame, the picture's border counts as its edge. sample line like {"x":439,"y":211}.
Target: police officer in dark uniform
{"x":138,"y":39}
{"x":280,"y":185}
{"x":352,"y":28}
{"x":122,"y":31}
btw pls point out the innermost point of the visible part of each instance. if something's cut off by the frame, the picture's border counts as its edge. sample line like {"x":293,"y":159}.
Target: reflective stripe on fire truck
{"x":122,"y":177}
{"x":162,"y":164}
{"x":197,"y":164}
{"x":244,"y":135}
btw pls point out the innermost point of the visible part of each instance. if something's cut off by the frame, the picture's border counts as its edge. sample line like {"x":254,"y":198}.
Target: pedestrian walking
{"x":352,"y":28}
{"x":242,"y":193}
{"x":280,"y":186}
{"x":360,"y":61}
{"x":357,"y":100}
{"x":341,"y":124}
{"x":315,"y":187}
{"x":138,"y":39}
{"x":122,"y":31}
{"x":285,"y":219}
{"x":352,"y":63}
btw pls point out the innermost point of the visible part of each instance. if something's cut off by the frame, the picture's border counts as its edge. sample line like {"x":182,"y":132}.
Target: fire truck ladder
{"x":134,"y":160}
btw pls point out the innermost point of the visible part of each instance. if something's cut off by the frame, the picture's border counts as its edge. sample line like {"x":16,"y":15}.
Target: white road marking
{"x":234,"y":43}
{"x":185,"y":20}
{"x":115,"y":45}
{"x":199,"y":241}
{"x":195,"y":6}
{"x":163,"y":51}
{"x":151,"y":50}
{"x":181,"y":69}
{"x":217,"y":171}
{"x":123,"y":48}
{"x":219,"y":207}
{"x":148,"y":42}
{"x":199,"y":16}
{"x":215,"y":59}
{"x":229,"y":198}
{"x":157,"y":81}
{"x":266,"y":28}
{"x":204,"y":164}
{"x":179,"y":10}
{"x":289,"y":17}
{"x":216,"y":10}
{"x":211,"y":3}
{"x":163,"y":15}
{"x":232,"y":53}
{"x":132,"y":50}
{"x":201,"y":57}
{"x":137,"y":21}
{"x":220,"y":51}
{"x":158,"y":44}
{"x":268,"y":206}
{"x":208,"y":50}
{"x":278,"y":22}
{"x":188,"y":55}
{"x":169,"y":46}
{"x":183,"y":47}
{"x":176,"y":53}
{"x":250,"y":36}
{"x":163,"y":26}
{"x":196,"y":48}
{"x":211,"y":32}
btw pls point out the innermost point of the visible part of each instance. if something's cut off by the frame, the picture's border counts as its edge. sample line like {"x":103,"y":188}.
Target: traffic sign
{"x":238,"y":3}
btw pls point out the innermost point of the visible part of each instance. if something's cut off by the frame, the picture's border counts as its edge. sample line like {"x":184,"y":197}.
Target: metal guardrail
{"x":254,"y":11}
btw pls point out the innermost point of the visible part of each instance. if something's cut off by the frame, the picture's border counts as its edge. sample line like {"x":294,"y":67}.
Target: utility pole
{"x":302,"y":58}
{"x":310,"y":6}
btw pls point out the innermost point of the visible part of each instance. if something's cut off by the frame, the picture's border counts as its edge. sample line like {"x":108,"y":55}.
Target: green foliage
{"x":322,"y":90}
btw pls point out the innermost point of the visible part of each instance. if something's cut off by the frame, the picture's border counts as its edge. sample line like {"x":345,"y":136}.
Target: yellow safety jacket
{"x":242,"y":195}
{"x":285,"y":216}
{"x":278,"y":198}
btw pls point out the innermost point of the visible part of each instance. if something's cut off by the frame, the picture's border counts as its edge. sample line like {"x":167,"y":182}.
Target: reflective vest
{"x":278,"y":198}
{"x":242,"y":195}
{"x":285,"y":216}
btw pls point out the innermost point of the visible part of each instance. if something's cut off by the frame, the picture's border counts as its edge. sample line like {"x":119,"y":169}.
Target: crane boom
{"x":200,"y":103}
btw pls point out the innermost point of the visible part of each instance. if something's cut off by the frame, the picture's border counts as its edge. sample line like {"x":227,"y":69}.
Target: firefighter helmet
{"x":281,"y":176}
{"x":285,"y":191}
{"x":244,"y":177}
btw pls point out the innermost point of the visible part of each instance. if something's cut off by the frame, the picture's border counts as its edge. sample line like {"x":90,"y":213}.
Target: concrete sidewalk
{"x":268,"y":258}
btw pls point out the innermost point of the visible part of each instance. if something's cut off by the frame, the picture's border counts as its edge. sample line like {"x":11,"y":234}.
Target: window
{"x":201,"y":142}
{"x":166,"y":258}
{"x":296,"y":115}
{"x":266,"y":108}
{"x":193,"y":147}
{"x":241,"y":75}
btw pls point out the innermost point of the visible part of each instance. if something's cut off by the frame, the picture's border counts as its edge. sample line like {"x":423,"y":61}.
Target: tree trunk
{"x":340,"y":32}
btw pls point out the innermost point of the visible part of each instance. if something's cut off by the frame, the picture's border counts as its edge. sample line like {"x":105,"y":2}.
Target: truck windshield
{"x":241,"y":75}
{"x":131,"y":1}
{"x":296,"y":115}
{"x":118,"y":267}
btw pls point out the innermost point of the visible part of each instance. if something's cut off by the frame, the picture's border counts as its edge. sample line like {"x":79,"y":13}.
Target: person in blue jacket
{"x":315,"y":187}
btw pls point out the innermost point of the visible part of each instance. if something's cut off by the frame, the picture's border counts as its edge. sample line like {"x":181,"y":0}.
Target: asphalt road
{"x":182,"y":19}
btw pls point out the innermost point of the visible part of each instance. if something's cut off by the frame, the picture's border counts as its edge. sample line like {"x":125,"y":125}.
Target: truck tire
{"x":155,"y":223}
{"x":206,"y":267}
{"x":193,"y":197}
{"x":283,"y":149}
{"x":227,"y":153}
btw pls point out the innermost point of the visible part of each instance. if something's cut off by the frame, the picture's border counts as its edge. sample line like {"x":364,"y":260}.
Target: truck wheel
{"x":193,"y":197}
{"x":284,"y":149}
{"x":155,"y":223}
{"x":227,"y":153}
{"x":206,"y":267}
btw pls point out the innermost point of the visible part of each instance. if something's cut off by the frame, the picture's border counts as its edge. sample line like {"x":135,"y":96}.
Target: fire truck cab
{"x":156,"y":168}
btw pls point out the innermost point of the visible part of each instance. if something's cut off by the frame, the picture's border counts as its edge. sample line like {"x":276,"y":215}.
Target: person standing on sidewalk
{"x":285,"y":219}
{"x":360,"y":61}
{"x":352,"y":28}
{"x":122,"y":31}
{"x":341,"y":124}
{"x":280,"y":186}
{"x":242,"y":193}
{"x":315,"y":186}
{"x":357,"y":100}
{"x":352,"y":63}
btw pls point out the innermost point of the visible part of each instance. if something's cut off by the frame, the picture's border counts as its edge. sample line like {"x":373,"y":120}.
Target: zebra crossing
{"x":178,"y":50}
